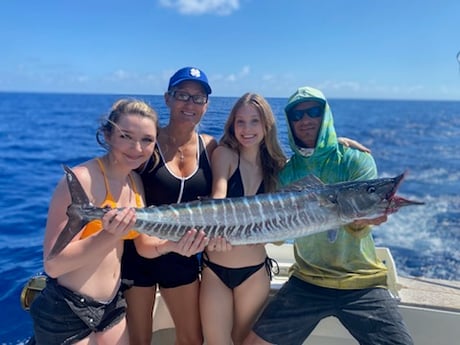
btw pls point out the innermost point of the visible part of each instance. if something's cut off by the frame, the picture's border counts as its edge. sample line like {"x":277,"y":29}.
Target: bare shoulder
{"x":210,"y":143}
{"x":85,"y":173}
{"x":224,"y":153}
{"x":208,"y":138}
{"x":91,"y":179}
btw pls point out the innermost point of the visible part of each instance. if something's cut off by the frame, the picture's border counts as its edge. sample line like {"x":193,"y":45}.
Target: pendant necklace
{"x":181,"y":157}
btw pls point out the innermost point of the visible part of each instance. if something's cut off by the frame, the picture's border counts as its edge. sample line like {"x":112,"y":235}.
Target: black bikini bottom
{"x":232,"y":277}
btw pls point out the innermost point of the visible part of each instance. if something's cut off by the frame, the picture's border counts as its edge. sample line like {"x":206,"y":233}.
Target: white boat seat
{"x":394,"y":286}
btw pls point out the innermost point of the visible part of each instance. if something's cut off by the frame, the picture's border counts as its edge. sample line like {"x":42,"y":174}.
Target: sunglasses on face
{"x":184,"y":97}
{"x":298,"y":114}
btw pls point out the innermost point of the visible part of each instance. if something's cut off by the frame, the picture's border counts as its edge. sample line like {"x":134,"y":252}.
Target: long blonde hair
{"x":271,"y":154}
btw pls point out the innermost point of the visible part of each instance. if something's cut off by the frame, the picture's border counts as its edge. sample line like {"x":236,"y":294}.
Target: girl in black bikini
{"x":235,"y":284}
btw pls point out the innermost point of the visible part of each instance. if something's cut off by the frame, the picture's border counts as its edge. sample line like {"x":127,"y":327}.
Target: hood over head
{"x":327,"y":138}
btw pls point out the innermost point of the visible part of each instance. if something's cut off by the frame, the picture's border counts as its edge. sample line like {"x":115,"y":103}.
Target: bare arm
{"x":81,"y":252}
{"x":222,"y":165}
{"x":353,"y":144}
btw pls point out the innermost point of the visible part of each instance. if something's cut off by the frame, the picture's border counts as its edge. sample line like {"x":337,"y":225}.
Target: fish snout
{"x":396,"y":202}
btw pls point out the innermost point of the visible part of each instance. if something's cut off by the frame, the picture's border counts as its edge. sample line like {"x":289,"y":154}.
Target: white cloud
{"x":197,"y":7}
{"x":340,"y":85}
{"x":121,"y":75}
{"x":234,"y":77}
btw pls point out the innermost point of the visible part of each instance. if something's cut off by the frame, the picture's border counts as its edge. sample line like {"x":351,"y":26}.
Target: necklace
{"x":171,"y":142}
{"x":181,"y":154}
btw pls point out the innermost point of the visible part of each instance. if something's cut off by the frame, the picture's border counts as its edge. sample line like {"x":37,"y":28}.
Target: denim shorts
{"x":62,"y":316}
{"x":370,"y":315}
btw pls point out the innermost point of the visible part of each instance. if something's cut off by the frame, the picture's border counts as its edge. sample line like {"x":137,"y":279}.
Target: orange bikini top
{"x":96,"y":225}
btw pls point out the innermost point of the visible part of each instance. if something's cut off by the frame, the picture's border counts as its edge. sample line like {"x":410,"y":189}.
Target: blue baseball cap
{"x":190,"y":73}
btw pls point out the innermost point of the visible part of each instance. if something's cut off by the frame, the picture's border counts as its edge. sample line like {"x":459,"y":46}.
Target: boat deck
{"x":430,"y":307}
{"x":427,"y":293}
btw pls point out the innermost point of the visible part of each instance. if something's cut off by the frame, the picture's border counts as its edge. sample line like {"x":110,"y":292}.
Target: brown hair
{"x":271,"y":153}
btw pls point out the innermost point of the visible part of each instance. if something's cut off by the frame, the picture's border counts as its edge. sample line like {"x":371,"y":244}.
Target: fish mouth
{"x":395,"y":201}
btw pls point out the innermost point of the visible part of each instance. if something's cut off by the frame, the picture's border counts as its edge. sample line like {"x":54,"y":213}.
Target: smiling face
{"x":186,"y":111}
{"x":249,"y":130}
{"x":132,"y":139}
{"x":306,"y":128}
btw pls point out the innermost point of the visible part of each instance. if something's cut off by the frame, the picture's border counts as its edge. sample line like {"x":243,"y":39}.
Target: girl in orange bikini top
{"x":96,"y":225}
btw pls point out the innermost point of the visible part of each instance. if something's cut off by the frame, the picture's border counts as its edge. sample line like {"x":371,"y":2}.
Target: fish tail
{"x":75,"y":221}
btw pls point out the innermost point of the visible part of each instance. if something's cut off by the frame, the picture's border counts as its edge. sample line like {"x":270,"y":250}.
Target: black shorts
{"x":371,"y":315}
{"x":62,"y":316}
{"x":168,"y":271}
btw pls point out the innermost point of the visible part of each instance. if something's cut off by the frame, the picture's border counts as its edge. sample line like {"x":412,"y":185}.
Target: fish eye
{"x":371,"y":189}
{"x":332,"y":198}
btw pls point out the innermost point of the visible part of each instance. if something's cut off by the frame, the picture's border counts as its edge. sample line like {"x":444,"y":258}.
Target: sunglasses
{"x":184,"y":97}
{"x":298,"y":114}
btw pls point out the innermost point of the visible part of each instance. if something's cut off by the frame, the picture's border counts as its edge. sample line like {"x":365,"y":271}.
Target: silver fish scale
{"x":240,"y":220}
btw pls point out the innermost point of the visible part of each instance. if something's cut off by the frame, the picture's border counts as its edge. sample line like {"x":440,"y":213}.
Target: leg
{"x":140,"y":301}
{"x":216,"y":309}
{"x":292,"y":314}
{"x":372,"y":317}
{"x":183,"y":305}
{"x":254,"y":339}
{"x":116,"y":335}
{"x":249,"y":299}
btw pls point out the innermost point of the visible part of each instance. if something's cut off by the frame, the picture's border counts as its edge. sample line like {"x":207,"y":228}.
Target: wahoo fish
{"x":303,"y":208}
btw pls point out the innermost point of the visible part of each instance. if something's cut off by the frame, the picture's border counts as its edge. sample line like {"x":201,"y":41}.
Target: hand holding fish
{"x":218,"y":244}
{"x":192,"y":242}
{"x":118,"y":222}
{"x":360,"y":223}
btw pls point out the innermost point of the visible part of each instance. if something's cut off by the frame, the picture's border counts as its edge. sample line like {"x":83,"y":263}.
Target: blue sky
{"x":392,"y":49}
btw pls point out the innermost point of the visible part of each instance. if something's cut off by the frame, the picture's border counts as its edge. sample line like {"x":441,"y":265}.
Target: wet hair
{"x":120,"y":108}
{"x":272,"y":156}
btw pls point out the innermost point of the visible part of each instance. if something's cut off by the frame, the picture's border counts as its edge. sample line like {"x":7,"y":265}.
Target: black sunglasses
{"x":184,"y":97}
{"x":298,"y":114}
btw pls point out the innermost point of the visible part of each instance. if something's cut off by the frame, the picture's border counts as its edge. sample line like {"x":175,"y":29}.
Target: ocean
{"x":40,"y":132}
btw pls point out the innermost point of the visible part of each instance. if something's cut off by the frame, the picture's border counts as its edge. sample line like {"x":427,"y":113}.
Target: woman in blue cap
{"x":182,"y":174}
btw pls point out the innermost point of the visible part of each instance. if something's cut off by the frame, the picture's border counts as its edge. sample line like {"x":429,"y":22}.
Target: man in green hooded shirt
{"x":336,"y":273}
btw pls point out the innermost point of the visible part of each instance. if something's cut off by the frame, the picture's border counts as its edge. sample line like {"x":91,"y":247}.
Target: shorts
{"x":168,"y":271}
{"x":370,"y":315}
{"x":61,"y":316}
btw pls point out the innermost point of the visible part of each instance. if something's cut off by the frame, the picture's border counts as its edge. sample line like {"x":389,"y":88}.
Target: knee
{"x":140,"y":340}
{"x":189,"y":339}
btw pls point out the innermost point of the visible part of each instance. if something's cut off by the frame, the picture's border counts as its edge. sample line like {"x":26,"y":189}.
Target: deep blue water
{"x":40,"y":132}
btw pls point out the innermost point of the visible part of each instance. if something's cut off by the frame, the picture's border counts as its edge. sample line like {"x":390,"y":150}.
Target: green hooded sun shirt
{"x":340,"y":258}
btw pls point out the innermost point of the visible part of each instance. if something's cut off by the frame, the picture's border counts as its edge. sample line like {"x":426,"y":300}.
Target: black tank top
{"x":163,"y":187}
{"x":235,"y":186}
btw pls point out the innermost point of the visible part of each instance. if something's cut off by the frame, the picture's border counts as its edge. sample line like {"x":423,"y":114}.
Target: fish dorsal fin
{"x":310,"y":181}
